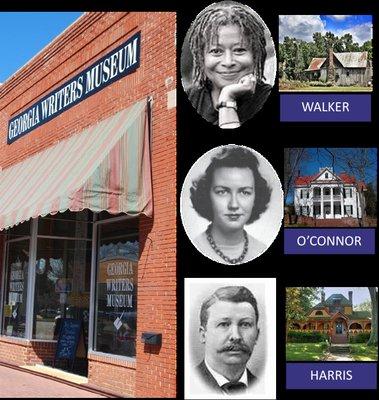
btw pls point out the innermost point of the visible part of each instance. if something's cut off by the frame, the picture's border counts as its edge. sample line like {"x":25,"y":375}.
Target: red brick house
{"x":336,"y":317}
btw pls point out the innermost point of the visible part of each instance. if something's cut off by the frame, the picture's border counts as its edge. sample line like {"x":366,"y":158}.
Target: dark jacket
{"x":211,"y":382}
{"x":247,"y":105}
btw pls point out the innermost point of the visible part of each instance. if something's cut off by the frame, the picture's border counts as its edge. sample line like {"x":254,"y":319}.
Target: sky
{"x":320,"y":158}
{"x":24,"y":34}
{"x":360,"y":294}
{"x":303,"y":26}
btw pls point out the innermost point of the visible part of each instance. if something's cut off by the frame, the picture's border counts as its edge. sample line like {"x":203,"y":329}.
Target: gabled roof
{"x":339,"y":314}
{"x":357,"y":59}
{"x":330,"y":301}
{"x":316,"y":64}
{"x":343,"y":176}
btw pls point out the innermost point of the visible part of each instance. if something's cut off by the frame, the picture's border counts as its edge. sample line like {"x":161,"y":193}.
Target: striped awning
{"x":104,"y":168}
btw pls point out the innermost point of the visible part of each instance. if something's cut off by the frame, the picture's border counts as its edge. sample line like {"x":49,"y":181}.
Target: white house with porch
{"x":327,"y":195}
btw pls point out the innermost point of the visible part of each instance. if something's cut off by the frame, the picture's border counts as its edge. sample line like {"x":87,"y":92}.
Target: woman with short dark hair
{"x":230,"y":194}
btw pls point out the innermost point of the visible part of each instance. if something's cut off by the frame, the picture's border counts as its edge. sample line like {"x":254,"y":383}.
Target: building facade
{"x":327,"y":195}
{"x":343,"y":69}
{"x":87,"y":203}
{"x":335,"y":316}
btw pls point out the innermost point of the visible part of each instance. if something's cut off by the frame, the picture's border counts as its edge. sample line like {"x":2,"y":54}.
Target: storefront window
{"x":14,"y":311}
{"x":62,"y":284}
{"x":116,"y":289}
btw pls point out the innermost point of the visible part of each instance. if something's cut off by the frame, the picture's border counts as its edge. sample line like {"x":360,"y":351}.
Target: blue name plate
{"x":328,"y":375}
{"x":329,"y":241}
{"x":325,"y":107}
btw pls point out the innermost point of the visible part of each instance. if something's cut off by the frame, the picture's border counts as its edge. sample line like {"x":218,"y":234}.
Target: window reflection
{"x":14,"y":316}
{"x":116,"y":301}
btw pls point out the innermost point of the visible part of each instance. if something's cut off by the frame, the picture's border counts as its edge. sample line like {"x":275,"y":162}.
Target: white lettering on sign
{"x":331,"y":375}
{"x":326,"y":241}
{"x":112,"y":66}
{"x":115,"y":65}
{"x":325,"y":106}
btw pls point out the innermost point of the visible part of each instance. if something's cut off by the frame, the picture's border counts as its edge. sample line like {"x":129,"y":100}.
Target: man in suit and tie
{"x":229,"y":331}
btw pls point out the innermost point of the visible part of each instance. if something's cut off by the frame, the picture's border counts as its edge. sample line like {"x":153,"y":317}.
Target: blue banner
{"x":329,"y":241}
{"x":118,"y":63}
{"x":325,"y":107}
{"x":330,"y":375}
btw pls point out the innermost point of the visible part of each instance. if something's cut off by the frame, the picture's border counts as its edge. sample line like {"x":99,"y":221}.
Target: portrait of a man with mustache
{"x":228,"y":331}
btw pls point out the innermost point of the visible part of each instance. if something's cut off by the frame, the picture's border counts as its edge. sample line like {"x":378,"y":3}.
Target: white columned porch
{"x":332,"y":201}
{"x":342,"y":207}
{"x":322,"y":202}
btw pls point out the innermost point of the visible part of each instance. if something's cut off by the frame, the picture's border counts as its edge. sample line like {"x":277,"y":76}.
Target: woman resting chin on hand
{"x":227,"y":101}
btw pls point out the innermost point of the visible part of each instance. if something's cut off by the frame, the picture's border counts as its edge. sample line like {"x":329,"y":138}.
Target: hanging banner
{"x":120,"y":62}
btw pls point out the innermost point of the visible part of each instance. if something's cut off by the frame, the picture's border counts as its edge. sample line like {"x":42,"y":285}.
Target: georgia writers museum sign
{"x":113,"y":66}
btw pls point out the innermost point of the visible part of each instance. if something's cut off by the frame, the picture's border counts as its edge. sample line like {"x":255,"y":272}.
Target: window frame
{"x":91,"y":327}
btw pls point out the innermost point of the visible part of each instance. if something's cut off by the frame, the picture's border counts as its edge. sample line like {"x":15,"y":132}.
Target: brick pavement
{"x":16,"y":383}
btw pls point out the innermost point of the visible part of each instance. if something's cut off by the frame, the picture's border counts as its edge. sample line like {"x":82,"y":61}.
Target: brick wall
{"x":95,"y":34}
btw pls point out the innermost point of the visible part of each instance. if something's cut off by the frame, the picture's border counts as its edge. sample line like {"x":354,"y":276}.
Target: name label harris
{"x":331,"y":375}
{"x":325,"y":107}
{"x":118,"y":63}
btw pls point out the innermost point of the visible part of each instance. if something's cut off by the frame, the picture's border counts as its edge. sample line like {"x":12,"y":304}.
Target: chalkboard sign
{"x":69,"y":336}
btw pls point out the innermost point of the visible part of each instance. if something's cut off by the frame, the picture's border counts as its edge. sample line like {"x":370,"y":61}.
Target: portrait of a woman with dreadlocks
{"x":224,"y":63}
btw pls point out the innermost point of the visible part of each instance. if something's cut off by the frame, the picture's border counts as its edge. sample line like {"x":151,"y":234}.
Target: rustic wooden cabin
{"x":342,"y":69}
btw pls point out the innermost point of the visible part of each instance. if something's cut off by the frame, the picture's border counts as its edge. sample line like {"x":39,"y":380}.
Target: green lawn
{"x":304,"y":352}
{"x":329,"y":89}
{"x":361,"y":352}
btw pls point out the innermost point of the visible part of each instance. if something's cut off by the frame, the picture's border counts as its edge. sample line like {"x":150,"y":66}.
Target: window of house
{"x":327,"y":208}
{"x":327,"y":191}
{"x":318,"y":313}
{"x":349,"y":210}
{"x":116,"y":288}
{"x":317,"y":209}
{"x":304,"y":210}
{"x":348,"y":193}
{"x":326,"y":175}
{"x":337,"y":208}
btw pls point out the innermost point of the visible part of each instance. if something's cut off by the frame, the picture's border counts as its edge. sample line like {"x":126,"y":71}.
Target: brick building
{"x":87,"y":203}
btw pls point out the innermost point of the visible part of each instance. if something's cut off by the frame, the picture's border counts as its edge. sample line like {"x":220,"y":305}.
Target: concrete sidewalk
{"x":15,"y":382}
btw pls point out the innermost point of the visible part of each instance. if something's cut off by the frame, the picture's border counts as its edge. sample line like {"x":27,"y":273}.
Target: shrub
{"x":320,"y":83}
{"x":306,"y":337}
{"x":324,"y":346}
{"x":362,"y":337}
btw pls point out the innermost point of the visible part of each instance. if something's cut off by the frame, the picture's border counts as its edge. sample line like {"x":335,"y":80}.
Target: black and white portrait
{"x":230,"y":338}
{"x":231,"y":204}
{"x":228,"y":63}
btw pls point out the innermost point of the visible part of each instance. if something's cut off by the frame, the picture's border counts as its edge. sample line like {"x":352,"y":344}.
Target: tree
{"x":373,"y":340}
{"x":367,"y":46}
{"x":299,"y":301}
{"x":358,"y":162}
{"x":371,"y":200}
{"x":365,"y":306}
{"x":292,"y":158}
